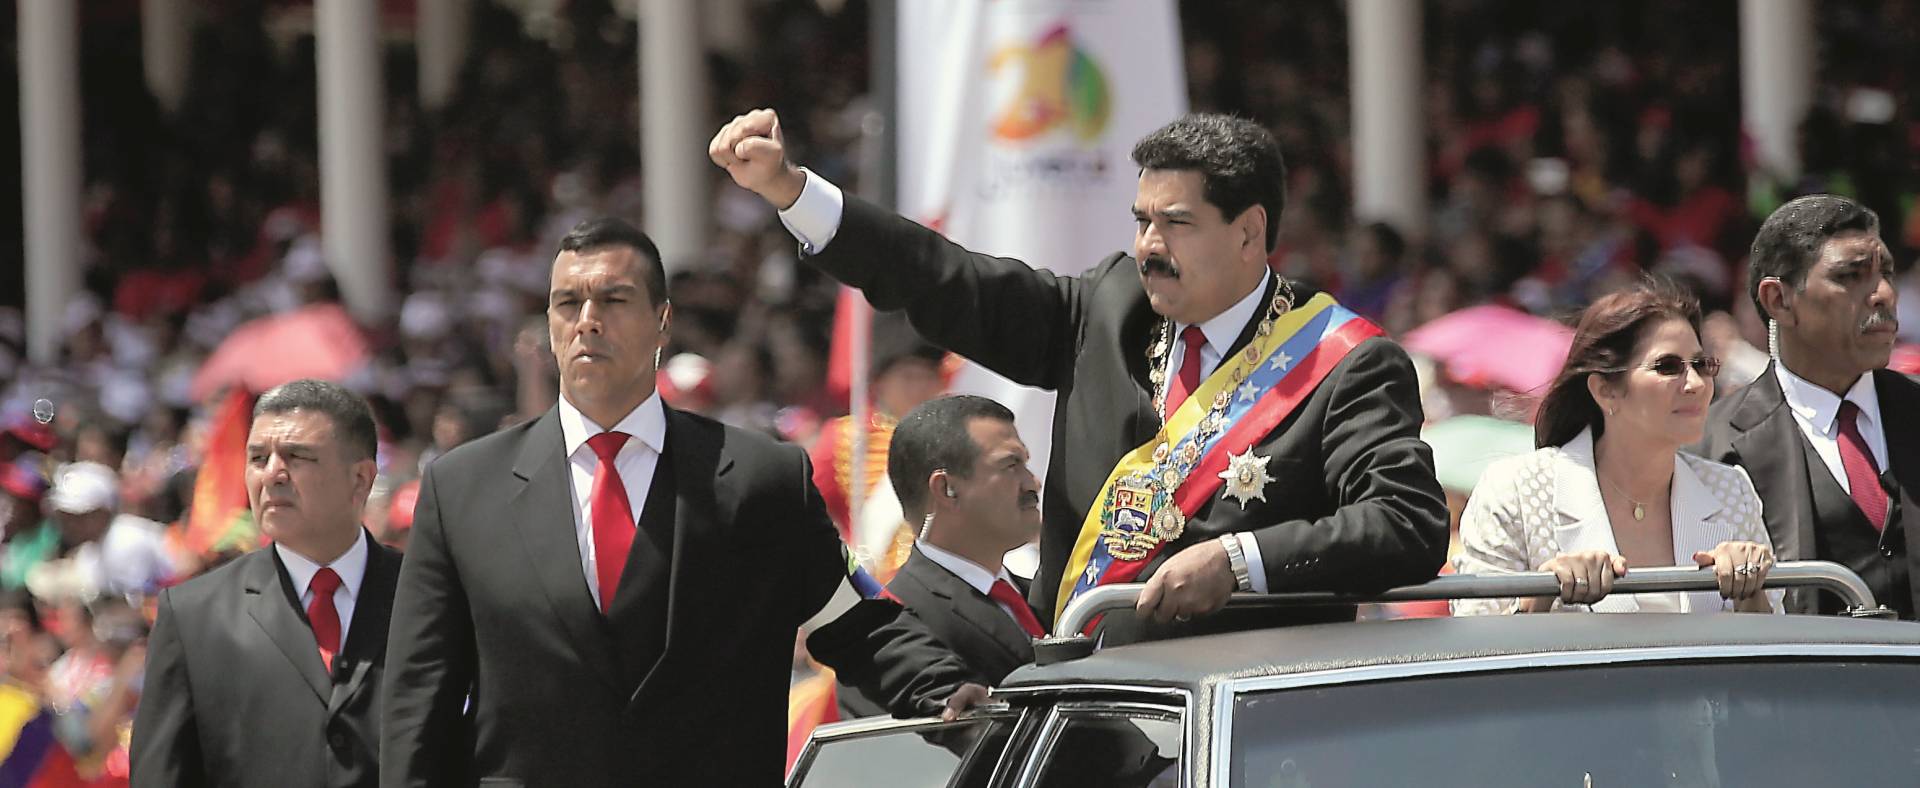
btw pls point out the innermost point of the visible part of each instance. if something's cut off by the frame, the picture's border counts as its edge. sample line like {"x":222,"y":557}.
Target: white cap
{"x":82,"y":487}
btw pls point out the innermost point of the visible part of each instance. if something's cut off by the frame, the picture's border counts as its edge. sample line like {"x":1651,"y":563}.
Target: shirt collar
{"x":1819,"y":406}
{"x":1225,"y":327}
{"x":350,"y":566}
{"x":647,"y":422}
{"x":969,"y":572}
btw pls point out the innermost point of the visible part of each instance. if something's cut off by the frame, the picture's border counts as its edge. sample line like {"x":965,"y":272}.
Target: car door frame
{"x":1024,"y":721}
{"x":1074,"y":699}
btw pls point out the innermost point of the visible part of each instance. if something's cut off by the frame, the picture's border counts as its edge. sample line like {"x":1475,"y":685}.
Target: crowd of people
{"x":1570,"y":151}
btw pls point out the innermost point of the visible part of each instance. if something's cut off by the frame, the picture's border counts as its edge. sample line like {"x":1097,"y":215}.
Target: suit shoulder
{"x":486,"y":452}
{"x":198,"y":591}
{"x":1507,"y":472}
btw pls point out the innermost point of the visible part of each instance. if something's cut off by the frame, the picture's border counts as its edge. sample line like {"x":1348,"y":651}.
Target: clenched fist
{"x":753,"y":151}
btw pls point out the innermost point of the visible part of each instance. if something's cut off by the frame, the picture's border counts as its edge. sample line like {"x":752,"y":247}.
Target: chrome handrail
{"x":1825,"y":575}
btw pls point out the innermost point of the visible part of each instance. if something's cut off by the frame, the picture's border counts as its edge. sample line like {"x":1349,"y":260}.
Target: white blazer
{"x":1528,"y":509}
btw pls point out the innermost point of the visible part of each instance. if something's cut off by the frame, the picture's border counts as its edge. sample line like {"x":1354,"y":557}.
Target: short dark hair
{"x":934,"y":436}
{"x":1602,"y":343}
{"x":352,"y":418}
{"x":1789,"y":241}
{"x":1238,"y":161}
{"x":608,"y":231}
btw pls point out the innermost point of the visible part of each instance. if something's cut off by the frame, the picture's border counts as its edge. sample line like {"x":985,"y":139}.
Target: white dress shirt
{"x":814,"y":219}
{"x":351,"y":566}
{"x":637,"y":459}
{"x":1817,"y":411}
{"x":972,"y":574}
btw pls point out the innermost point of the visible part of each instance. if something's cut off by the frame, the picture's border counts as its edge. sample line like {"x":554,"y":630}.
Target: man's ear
{"x":1252,"y":224}
{"x":666,"y":316}
{"x":364,"y":474}
{"x":1776,"y":301}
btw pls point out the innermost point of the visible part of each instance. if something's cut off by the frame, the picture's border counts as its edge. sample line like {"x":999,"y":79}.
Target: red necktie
{"x":1863,"y":474}
{"x":1004,"y":593}
{"x":613,"y":523}
{"x":322,"y":615}
{"x":1189,"y":377}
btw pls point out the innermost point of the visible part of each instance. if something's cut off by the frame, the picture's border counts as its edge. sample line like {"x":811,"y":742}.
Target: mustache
{"x":1153,"y":264}
{"x":1880,"y":317}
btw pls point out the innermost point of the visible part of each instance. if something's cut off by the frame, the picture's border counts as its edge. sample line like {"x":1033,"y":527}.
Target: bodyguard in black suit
{"x":960,"y":470}
{"x":253,"y":676}
{"x":1347,"y":500}
{"x":521,"y":656}
{"x":1830,"y":437}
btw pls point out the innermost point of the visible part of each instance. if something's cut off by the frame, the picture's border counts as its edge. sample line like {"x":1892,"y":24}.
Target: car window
{"x":1123,"y":749}
{"x":961,"y":754}
{"x":1785,"y":723}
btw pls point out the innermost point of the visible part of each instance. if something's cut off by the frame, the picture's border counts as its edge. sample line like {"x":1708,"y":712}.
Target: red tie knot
{"x":1849,"y":414}
{"x":1195,"y":339}
{"x":324,"y":582}
{"x":607,"y":444}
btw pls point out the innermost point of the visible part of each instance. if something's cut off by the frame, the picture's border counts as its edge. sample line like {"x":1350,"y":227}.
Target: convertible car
{"x":1575,"y":700}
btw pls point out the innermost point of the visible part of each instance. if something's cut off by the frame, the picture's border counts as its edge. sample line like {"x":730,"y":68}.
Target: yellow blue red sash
{"x":1232,"y":411}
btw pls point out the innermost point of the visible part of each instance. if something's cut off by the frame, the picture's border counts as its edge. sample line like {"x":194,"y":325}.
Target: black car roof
{"x":1193,"y":662}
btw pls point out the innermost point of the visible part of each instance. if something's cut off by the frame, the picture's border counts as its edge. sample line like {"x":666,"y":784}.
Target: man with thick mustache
{"x":1219,"y":428}
{"x":1830,"y":436}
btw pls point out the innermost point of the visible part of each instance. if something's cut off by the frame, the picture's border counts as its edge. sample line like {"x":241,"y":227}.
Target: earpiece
{"x":951,"y":493}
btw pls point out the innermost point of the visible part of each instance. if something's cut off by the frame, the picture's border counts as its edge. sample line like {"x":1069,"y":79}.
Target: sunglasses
{"x":1672,"y":366}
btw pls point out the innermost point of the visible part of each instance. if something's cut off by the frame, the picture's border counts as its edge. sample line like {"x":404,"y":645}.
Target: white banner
{"x":1016,"y":118}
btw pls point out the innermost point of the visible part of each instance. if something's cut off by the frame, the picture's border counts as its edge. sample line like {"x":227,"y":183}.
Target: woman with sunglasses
{"x":1609,"y":489}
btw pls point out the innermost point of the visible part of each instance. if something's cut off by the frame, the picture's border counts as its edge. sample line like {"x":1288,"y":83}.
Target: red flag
{"x":221,"y":516}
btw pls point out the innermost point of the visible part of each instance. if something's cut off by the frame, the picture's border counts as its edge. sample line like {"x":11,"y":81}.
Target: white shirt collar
{"x":1819,"y":407}
{"x":351,"y":566}
{"x":647,"y":422}
{"x":1225,"y":327}
{"x":971,"y":573}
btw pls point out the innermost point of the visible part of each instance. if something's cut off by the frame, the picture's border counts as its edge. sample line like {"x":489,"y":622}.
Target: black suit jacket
{"x":504,"y":672}
{"x":1808,"y":514}
{"x":1354,"y":505}
{"x":975,"y":627}
{"x":235,"y":692}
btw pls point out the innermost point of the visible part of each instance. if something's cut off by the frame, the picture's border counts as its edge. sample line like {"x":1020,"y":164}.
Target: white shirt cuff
{"x":814,"y":218}
{"x":1256,"y":569}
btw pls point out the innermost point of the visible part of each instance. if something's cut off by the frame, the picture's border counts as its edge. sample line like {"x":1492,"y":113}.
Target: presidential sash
{"x":1156,"y":487}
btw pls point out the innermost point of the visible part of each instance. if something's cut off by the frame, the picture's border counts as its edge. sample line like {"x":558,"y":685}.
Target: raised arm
{"x":999,"y":312}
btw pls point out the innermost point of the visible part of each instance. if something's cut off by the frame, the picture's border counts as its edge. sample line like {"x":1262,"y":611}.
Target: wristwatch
{"x":1237,"y":559}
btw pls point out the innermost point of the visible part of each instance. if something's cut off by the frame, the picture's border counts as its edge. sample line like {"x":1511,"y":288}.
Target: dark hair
{"x":1789,"y":241}
{"x":934,"y":436}
{"x":608,"y":231}
{"x":352,"y":418}
{"x":1238,"y":161}
{"x":1602,"y":344}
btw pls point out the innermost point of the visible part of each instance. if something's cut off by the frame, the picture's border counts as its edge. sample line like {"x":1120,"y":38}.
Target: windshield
{"x":1785,"y":723}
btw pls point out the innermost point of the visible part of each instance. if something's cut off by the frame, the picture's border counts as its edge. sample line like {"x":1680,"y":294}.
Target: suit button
{"x":337,"y":740}
{"x":1886,"y":551}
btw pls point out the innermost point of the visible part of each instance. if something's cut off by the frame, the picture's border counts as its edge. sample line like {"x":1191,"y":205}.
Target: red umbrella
{"x":1906,"y":359}
{"x":1495,"y":346}
{"x":318,"y":341}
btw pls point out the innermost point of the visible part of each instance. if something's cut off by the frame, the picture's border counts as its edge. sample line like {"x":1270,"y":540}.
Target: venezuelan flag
{"x":221,"y":518}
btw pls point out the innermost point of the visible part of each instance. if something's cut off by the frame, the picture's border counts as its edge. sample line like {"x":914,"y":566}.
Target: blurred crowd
{"x":1571,"y":148}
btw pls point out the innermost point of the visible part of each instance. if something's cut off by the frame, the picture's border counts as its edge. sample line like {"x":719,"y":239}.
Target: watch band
{"x":1237,"y":559}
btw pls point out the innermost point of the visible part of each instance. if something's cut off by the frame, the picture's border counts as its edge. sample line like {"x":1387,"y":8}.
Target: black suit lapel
{"x":542,"y":513}
{"x":696,"y":568}
{"x":273,"y":604}
{"x":1900,"y":409}
{"x":637,"y":616}
{"x":1774,"y":452}
{"x":367,"y":636}
{"x":968,"y":604}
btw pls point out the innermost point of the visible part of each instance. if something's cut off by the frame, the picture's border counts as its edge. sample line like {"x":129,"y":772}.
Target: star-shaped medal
{"x":1246,"y":477}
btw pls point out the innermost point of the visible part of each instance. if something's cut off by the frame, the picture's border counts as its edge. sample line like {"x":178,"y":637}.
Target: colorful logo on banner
{"x":1060,"y":85}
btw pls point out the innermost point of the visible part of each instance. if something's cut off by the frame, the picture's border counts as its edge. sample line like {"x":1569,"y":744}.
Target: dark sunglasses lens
{"x":1668,"y":366}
